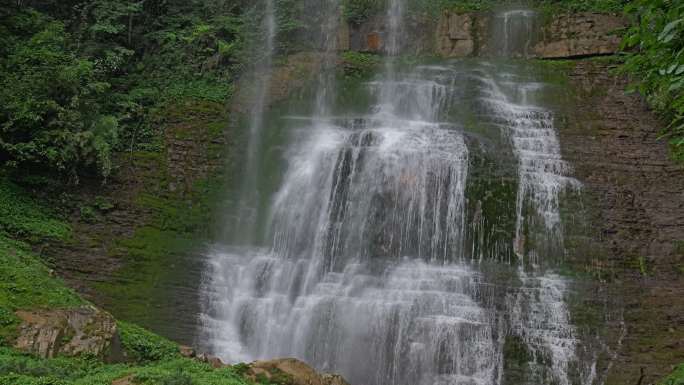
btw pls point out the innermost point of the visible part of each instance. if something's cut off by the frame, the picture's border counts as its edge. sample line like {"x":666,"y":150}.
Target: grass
{"x":21,"y":369}
{"x":22,"y":217}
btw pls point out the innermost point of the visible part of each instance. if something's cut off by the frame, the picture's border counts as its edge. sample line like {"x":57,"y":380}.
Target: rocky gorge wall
{"x":633,"y":187}
{"x":458,"y":35}
{"x":635,"y":192}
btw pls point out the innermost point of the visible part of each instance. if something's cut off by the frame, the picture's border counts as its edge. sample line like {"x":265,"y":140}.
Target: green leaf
{"x":669,"y":28}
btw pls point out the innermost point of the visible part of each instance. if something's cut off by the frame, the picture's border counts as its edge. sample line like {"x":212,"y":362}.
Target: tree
{"x":50,"y":116}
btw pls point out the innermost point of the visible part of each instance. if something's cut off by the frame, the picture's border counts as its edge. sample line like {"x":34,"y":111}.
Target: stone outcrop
{"x":580,"y":34}
{"x":83,"y":331}
{"x":291,"y":371}
{"x":455,"y":35}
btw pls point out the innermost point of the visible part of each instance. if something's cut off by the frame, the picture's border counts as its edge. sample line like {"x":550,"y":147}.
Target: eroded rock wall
{"x":636,"y":193}
{"x":458,"y":35}
{"x":580,"y":34}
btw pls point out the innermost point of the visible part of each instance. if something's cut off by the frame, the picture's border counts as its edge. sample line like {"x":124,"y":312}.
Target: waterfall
{"x":513,"y":33}
{"x":326,"y":78}
{"x":249,"y":193}
{"x":395,"y":24}
{"x":370,"y":273}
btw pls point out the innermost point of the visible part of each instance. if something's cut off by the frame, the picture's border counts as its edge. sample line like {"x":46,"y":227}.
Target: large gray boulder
{"x":82,"y":331}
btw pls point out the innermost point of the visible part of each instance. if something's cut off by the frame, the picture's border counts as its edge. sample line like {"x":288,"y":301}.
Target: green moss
{"x":359,"y":65}
{"x":358,"y":11}
{"x":177,"y":222}
{"x":516,"y":356}
{"x":676,"y":378}
{"x":24,"y":217}
{"x":640,"y":264}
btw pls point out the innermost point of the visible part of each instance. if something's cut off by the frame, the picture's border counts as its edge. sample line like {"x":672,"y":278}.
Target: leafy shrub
{"x":358,"y":11}
{"x":50,"y":116}
{"x":24,"y":217}
{"x":357,"y":64}
{"x":144,"y":346}
{"x":656,"y":61}
{"x":18,"y":379}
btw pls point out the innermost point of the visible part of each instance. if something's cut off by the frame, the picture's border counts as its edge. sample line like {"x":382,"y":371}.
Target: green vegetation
{"x":28,"y":284}
{"x":179,"y":219}
{"x":21,"y":217}
{"x":358,"y":11}
{"x":656,"y":61}
{"x":435,"y":7}
{"x":605,"y":6}
{"x":20,"y":369}
{"x":359,"y":65}
{"x":676,"y":378}
{"x":82,"y":79}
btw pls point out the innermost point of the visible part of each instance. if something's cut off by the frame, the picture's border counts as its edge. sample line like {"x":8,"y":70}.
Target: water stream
{"x":243,"y":231}
{"x":387,"y":262}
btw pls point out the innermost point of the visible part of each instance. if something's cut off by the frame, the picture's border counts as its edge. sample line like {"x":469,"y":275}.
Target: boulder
{"x":83,"y":331}
{"x":214,"y":361}
{"x":187,"y":351}
{"x":291,"y":371}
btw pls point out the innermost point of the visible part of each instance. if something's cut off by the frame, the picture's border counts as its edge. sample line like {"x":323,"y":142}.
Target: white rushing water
{"x":368,"y":275}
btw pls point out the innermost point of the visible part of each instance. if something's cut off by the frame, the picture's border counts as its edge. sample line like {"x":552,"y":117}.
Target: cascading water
{"x":514,"y":33}
{"x":249,"y":193}
{"x":372,"y":271}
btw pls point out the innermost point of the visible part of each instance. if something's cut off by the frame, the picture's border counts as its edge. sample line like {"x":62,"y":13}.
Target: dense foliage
{"x":80,"y":79}
{"x":656,"y":61}
{"x":676,"y":378}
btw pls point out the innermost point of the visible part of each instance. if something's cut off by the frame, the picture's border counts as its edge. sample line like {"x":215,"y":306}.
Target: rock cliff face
{"x":457,"y":34}
{"x":580,"y":34}
{"x":635,"y":192}
{"x":465,"y":34}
